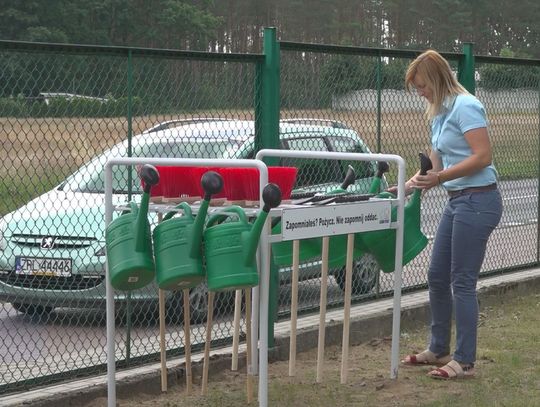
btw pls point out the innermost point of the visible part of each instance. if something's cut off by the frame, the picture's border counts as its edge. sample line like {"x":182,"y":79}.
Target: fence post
{"x":267,"y":105}
{"x":379,"y":95}
{"x":538,"y":186}
{"x":466,"y":68}
{"x":130,"y":183}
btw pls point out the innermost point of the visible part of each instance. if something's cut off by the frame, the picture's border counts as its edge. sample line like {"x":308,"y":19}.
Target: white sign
{"x":313,"y":221}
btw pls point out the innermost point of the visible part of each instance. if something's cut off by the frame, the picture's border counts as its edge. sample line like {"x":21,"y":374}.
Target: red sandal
{"x":452,"y":370}
{"x":426,"y":357}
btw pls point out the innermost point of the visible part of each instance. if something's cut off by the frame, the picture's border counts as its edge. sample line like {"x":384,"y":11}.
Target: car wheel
{"x":365,"y":273}
{"x":32,"y":310}
{"x":198,"y":305}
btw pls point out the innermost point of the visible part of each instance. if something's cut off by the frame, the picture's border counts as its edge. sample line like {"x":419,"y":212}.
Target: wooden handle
{"x":236,"y":332}
{"x":204,"y":388}
{"x":162,"y":344}
{"x":322,"y":308}
{"x":294,"y":307}
{"x":248,"y":347}
{"x":187,"y":341}
{"x":347,"y":309}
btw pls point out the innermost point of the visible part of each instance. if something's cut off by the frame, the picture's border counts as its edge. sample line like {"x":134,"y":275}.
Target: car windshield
{"x":91,"y":176}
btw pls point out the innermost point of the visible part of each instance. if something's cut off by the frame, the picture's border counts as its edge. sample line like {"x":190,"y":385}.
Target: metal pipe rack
{"x":260,"y":297}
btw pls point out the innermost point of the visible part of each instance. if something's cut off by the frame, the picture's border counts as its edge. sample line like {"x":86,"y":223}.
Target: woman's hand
{"x":409,"y":187}
{"x":428,"y":181}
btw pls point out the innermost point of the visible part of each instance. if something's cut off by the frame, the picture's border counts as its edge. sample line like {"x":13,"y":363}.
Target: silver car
{"x":52,"y":248}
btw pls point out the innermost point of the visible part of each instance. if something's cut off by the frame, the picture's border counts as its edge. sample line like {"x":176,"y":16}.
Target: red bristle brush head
{"x":176,"y":182}
{"x":284,"y":177}
{"x":243,"y":183}
{"x":239,"y":183}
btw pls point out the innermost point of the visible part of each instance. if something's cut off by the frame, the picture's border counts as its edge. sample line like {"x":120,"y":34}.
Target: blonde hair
{"x":438,"y":76}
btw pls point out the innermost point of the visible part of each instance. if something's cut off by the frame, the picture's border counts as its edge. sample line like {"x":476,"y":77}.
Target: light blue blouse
{"x":460,"y":114}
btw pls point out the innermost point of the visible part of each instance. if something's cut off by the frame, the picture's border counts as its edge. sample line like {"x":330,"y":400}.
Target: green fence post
{"x":267,"y":104}
{"x":267,"y":95}
{"x":130,"y":183}
{"x":379,"y":95}
{"x":538,"y":186}
{"x":466,"y":68}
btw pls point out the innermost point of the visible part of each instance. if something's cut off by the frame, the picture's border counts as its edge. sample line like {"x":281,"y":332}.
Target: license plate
{"x":43,"y":266}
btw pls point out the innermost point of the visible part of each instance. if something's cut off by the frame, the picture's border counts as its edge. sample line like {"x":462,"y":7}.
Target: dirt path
{"x":508,"y":367}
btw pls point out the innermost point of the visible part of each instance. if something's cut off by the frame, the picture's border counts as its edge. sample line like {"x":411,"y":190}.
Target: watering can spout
{"x":425,"y":166}
{"x":212,"y":183}
{"x":272,"y":198}
{"x":150,"y":176}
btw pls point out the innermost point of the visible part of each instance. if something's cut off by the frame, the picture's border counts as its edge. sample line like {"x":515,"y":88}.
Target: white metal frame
{"x":260,"y":298}
{"x":109,"y":208}
{"x":264,"y":284}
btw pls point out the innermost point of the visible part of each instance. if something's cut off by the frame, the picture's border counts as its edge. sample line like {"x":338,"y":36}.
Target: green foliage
{"x":345,"y":73}
{"x":154,"y":23}
{"x":499,"y":76}
{"x":208,"y":24}
{"x":300,"y":90}
{"x":11,"y":107}
{"x":393,"y":74}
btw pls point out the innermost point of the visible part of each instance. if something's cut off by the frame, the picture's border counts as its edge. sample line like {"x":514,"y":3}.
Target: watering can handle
{"x":182,"y":205}
{"x":225,"y":213}
{"x":386,"y":195}
{"x":425,"y":164}
{"x":350,"y":177}
{"x":134,"y":208}
{"x":375,"y":186}
{"x":382,"y":167}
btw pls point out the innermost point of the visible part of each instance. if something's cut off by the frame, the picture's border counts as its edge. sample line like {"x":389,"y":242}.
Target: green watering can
{"x":337,"y":245}
{"x":382,"y":243}
{"x":129,"y":243}
{"x":178,"y":241}
{"x":349,"y":179}
{"x":230,"y":247}
{"x":282,"y":251}
{"x":375,"y":187}
{"x":310,"y":249}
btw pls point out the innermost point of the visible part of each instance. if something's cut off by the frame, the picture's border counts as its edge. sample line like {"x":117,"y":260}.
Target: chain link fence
{"x":364,"y":90}
{"x":64,"y":110}
{"x":59,"y":111}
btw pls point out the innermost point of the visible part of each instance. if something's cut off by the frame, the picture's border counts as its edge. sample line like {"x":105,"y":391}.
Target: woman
{"x":462,"y":163}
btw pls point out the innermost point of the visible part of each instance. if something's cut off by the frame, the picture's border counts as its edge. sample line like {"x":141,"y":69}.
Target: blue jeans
{"x":458,"y":253}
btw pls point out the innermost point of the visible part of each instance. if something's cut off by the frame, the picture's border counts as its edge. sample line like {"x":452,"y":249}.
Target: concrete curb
{"x":363,"y":329}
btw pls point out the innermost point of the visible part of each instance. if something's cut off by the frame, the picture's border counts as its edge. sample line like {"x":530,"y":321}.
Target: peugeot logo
{"x":47,"y":242}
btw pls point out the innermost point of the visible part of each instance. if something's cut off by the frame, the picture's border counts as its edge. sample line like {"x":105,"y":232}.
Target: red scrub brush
{"x":239,"y":183}
{"x":243,"y":183}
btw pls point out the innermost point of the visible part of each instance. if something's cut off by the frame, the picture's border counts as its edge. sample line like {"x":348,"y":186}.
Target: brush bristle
{"x":239,"y":183}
